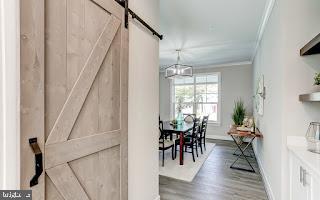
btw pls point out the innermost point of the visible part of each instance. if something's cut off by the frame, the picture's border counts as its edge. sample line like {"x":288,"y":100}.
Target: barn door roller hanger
{"x":124,"y":3}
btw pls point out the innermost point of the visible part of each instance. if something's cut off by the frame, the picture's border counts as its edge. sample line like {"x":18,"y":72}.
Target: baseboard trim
{"x":266,"y":182}
{"x":219,"y":137}
{"x":157,"y":198}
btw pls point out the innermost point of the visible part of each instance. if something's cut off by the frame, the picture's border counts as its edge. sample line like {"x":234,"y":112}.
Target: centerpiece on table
{"x":179,"y":119}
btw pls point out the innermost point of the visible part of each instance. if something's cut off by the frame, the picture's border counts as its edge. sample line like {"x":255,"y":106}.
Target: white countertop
{"x":298,"y":146}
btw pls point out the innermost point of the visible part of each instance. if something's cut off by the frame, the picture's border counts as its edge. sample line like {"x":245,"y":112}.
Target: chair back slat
{"x":204,"y":125}
{"x":195,"y":128}
{"x":161,"y":135}
{"x":189,"y":118}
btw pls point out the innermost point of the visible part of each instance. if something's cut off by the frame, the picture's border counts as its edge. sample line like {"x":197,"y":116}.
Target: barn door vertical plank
{"x":32,"y":82}
{"x":55,"y":60}
{"x":75,"y":40}
{"x":124,"y":65}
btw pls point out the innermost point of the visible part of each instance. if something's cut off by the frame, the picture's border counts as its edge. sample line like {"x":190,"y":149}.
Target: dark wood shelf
{"x":313,"y":47}
{"x":312,"y":97}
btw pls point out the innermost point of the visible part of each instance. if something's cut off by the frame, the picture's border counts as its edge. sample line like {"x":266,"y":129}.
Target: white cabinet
{"x":315,"y":190}
{"x":299,"y":189}
{"x":304,"y":183}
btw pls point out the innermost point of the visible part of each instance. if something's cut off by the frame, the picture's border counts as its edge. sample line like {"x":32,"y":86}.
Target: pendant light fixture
{"x":178,"y":70}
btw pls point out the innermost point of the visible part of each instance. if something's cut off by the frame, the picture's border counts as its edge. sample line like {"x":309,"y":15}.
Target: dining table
{"x":180,"y":130}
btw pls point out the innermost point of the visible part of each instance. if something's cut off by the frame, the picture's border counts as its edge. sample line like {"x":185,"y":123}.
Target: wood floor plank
{"x":216,"y":181}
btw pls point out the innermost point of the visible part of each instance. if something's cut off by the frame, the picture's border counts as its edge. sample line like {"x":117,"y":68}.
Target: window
{"x":198,"y":94}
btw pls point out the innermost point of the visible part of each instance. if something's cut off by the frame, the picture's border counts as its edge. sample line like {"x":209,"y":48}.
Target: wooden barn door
{"x":74,"y":85}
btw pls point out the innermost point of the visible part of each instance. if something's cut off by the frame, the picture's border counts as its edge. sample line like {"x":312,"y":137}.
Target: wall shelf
{"x":313,"y":47}
{"x":312,"y":97}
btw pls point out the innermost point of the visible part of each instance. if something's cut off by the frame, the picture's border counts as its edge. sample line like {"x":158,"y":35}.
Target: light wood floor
{"x":216,"y":181}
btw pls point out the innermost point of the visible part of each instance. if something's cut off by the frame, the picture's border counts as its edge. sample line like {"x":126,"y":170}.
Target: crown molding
{"x":233,"y":64}
{"x":267,"y":13}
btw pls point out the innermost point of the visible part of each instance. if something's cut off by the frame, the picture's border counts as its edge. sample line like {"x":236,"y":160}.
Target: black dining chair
{"x":202,"y":133}
{"x":189,"y":117}
{"x":166,"y":134}
{"x":190,"y":141}
{"x":165,"y":144}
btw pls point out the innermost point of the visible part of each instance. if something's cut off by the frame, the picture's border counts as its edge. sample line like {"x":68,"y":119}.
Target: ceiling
{"x":209,"y":32}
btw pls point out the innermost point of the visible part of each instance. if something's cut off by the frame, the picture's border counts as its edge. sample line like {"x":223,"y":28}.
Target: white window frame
{"x":172,"y":98}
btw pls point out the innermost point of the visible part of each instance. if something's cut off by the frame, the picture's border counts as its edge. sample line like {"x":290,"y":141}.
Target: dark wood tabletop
{"x":184,"y":127}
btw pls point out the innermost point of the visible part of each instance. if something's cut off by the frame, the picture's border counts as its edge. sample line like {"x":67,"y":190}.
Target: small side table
{"x":234,"y":133}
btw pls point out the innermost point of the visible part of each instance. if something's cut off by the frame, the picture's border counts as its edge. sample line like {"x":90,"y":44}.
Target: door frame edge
{"x":10,"y":94}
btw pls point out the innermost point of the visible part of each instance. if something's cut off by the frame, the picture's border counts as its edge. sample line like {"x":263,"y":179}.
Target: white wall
{"x":9,"y":95}
{"x":291,"y":25}
{"x":268,"y":62}
{"x":299,"y":71}
{"x":143,"y":103}
{"x":236,"y":82}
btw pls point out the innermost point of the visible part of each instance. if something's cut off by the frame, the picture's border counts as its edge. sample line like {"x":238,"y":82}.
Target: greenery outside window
{"x":199,"y":94}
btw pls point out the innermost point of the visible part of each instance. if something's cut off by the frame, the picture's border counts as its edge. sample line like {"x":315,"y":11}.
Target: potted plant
{"x":239,"y":113}
{"x":317,"y":79}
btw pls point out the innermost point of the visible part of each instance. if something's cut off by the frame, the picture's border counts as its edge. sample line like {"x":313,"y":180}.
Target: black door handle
{"x":38,"y":161}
